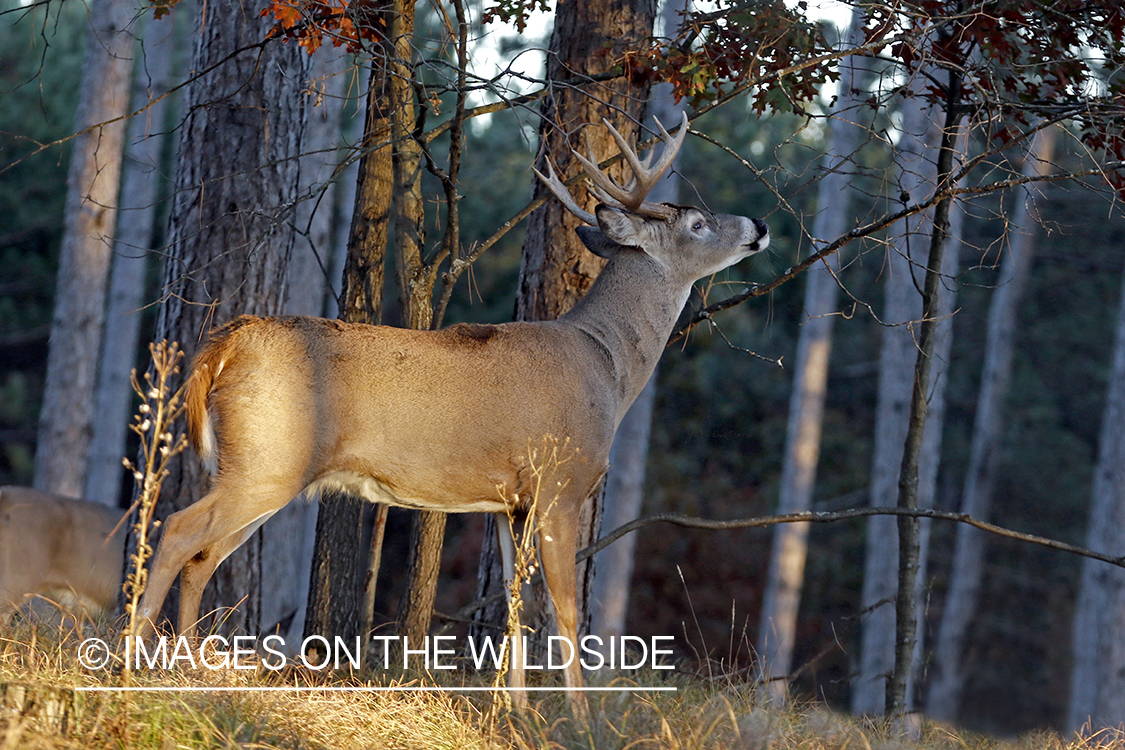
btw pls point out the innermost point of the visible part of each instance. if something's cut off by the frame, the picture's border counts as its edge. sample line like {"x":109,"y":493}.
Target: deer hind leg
{"x":220,"y":515}
{"x":557,"y":549}
{"x":198,"y":570}
{"x":517,"y":679}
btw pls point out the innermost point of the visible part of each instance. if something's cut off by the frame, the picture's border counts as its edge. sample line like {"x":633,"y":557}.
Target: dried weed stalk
{"x":544,"y":465}
{"x":160,"y":408}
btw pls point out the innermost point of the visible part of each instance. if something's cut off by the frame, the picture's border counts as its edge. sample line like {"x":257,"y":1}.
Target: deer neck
{"x":628,"y":315}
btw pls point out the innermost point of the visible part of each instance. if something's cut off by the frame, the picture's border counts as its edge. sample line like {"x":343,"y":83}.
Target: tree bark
{"x":943,"y":699}
{"x":311,"y":263}
{"x":336,"y":585}
{"x":416,"y":278}
{"x":624,"y":496}
{"x":66,"y":420}
{"x":556,"y":269}
{"x":909,"y":529}
{"x":229,"y":238}
{"x":780,"y":603}
{"x":141,"y":186}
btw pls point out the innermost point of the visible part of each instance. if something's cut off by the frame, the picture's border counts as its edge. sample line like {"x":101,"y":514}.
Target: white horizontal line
{"x":346,"y":689}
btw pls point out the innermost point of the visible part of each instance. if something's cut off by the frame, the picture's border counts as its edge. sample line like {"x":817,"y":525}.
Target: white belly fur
{"x":374,"y":491}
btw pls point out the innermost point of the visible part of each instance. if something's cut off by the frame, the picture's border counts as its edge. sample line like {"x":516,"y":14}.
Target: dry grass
{"x":38,"y":670}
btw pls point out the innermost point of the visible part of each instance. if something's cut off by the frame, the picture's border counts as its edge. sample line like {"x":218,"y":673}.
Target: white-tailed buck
{"x":446,"y":420}
{"x":52,"y":546}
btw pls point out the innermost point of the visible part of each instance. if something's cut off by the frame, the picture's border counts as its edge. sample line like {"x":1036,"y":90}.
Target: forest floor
{"x":49,"y":700}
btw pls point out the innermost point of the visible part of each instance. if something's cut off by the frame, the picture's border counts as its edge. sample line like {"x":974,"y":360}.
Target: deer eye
{"x":697,"y":226}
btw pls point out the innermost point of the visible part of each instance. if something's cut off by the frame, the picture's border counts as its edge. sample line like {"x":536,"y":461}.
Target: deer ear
{"x":598,"y":243}
{"x":621,"y":227}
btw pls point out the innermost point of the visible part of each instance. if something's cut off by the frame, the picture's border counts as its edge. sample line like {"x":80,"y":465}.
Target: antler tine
{"x":607,"y":191}
{"x":555,"y":186}
{"x":641,"y":185}
{"x":671,"y":145}
{"x":604,"y":186}
{"x":645,"y":176}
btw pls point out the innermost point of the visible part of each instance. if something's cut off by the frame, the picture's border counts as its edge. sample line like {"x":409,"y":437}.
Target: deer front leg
{"x":557,"y":548}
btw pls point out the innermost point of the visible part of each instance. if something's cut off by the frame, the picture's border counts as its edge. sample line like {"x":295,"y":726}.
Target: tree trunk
{"x":229,"y":236}
{"x":1097,"y":693}
{"x":416,"y":280}
{"x":288,"y":539}
{"x":910,"y":565}
{"x":556,"y":269}
{"x":624,"y":496}
{"x":932,"y":439}
{"x":336,"y":584}
{"x":352,"y":130}
{"x":141,"y":187}
{"x":943,"y":699}
{"x":66,"y":421}
{"x":780,"y":603}
{"x":902,"y":305}
{"x":311,"y":263}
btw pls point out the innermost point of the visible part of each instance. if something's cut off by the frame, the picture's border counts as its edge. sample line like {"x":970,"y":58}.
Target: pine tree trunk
{"x":229,"y":236}
{"x":556,"y":269}
{"x":1097,"y":693}
{"x":943,"y":699}
{"x":336,"y":583}
{"x":66,"y":420}
{"x":782,"y":597}
{"x":141,"y":181}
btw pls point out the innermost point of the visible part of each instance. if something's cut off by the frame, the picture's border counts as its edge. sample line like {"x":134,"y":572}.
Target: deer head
{"x":626,"y":219}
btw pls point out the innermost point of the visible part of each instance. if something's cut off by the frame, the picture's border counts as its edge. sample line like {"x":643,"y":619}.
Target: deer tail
{"x":205,"y":370}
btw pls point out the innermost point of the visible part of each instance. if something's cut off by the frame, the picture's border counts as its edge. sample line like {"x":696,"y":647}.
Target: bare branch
{"x":809,"y":516}
{"x":884,"y":221}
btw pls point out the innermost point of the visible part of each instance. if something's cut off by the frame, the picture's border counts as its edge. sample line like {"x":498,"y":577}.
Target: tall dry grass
{"x":42,"y":706}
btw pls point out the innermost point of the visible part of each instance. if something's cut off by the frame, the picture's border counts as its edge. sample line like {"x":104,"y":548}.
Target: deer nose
{"x":763,"y":230}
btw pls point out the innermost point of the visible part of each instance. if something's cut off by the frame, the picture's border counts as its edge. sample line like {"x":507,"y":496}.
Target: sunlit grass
{"x":38,"y":666}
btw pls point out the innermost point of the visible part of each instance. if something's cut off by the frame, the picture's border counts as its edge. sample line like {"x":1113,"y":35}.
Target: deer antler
{"x":645,"y":177}
{"x":555,"y":185}
{"x":632,"y":198}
